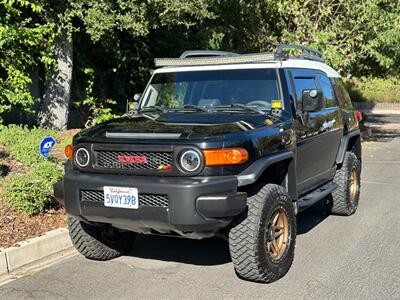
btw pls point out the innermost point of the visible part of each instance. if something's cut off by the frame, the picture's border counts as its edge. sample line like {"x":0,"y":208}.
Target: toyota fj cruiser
{"x":219,"y":143}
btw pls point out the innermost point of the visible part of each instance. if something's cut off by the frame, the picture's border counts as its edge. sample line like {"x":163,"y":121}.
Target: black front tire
{"x":248,"y":239}
{"x":345,"y":198}
{"x":99,"y":242}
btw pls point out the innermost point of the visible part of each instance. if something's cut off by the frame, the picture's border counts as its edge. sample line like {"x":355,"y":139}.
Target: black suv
{"x":219,"y":144}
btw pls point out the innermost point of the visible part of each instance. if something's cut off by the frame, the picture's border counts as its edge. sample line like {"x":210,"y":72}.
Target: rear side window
{"x":327,"y":90}
{"x":342,"y":94}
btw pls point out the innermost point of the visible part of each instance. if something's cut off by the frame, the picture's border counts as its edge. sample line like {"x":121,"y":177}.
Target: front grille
{"x":152,"y":200}
{"x":109,"y":160}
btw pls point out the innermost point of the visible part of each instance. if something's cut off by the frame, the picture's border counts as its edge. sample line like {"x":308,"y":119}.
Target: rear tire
{"x":260,"y":251}
{"x":99,"y":242}
{"x":345,"y":197}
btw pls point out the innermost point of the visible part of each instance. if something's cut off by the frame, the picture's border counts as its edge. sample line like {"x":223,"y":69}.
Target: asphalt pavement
{"x":355,"y":257}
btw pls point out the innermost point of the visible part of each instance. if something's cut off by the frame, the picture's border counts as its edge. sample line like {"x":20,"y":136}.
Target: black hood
{"x":183,"y":125}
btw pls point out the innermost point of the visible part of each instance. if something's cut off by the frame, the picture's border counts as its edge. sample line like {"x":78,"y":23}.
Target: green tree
{"x":357,"y":37}
{"x":25,"y":44}
{"x":115,"y":43}
{"x":112,"y":43}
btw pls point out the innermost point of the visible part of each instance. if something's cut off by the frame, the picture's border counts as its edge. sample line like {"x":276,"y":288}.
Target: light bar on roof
{"x":215,"y":60}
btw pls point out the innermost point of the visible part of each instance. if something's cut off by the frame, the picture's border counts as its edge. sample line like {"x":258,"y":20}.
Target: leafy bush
{"x":32,"y":192}
{"x":374,"y":89}
{"x":23,"y":143}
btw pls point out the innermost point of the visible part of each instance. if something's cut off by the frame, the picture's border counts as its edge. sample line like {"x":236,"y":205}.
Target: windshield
{"x":213,"y":89}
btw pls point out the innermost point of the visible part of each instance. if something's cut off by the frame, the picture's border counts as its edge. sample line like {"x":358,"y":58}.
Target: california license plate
{"x":121,"y":197}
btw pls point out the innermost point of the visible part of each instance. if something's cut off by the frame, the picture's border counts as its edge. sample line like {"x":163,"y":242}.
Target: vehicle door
{"x":318,"y":133}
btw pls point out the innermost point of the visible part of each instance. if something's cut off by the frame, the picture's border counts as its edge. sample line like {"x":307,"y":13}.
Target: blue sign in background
{"x":46,"y":145}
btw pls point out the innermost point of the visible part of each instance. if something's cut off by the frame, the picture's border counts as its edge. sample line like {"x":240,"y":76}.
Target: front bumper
{"x":196,"y":204}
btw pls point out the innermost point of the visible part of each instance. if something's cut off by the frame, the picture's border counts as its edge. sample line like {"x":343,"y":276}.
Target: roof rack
{"x":208,"y":57}
{"x":306,"y":53}
{"x":203,"y":53}
{"x":214,"y":60}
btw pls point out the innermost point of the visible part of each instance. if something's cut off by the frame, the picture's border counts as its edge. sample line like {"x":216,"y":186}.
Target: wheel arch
{"x":355,"y":145}
{"x":279,"y":168}
{"x":349,"y":142}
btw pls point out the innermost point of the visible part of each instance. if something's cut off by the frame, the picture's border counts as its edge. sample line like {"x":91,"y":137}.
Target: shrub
{"x":374,"y":89}
{"x":23,"y":143}
{"x":32,"y":192}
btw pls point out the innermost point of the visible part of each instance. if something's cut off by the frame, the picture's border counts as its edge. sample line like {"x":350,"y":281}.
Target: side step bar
{"x":316,"y":195}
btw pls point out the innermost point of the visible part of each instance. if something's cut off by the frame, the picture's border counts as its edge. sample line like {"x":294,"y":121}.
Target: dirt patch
{"x":10,"y":166}
{"x":16,"y":227}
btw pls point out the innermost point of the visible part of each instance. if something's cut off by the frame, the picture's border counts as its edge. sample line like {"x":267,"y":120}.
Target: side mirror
{"x":132,"y":106}
{"x":312,"y":100}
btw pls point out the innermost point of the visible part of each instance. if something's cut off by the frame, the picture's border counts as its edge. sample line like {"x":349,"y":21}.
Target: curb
{"x":377,"y":108}
{"x":3,"y":263}
{"x":34,"y":250}
{"x":369,"y":130}
{"x":377,"y":111}
{"x":388,"y":127}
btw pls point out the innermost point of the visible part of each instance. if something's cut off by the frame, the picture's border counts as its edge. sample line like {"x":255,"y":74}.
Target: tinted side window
{"x":303,"y":81}
{"x":327,"y":90}
{"x":342,"y":94}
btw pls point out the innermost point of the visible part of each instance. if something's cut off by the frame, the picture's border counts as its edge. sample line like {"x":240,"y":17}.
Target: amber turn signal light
{"x":69,"y":151}
{"x":229,"y":156}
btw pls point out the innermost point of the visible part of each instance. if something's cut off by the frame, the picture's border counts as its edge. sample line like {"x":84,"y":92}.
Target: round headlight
{"x":190,"y":161}
{"x":313,"y":93}
{"x":82,"y":157}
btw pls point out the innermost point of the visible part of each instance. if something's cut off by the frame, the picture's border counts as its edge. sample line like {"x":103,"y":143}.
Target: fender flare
{"x":344,"y":142}
{"x":254,"y":171}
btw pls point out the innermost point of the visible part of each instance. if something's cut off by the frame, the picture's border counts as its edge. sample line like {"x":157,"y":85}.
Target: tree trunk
{"x":57,"y":92}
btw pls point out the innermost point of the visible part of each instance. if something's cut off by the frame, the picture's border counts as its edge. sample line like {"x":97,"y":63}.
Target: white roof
{"x":291,"y":63}
{"x":310,"y":64}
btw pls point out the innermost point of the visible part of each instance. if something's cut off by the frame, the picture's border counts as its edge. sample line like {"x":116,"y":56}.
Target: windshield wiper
{"x":152,"y":108}
{"x":190,"y":106}
{"x":242,"y":107}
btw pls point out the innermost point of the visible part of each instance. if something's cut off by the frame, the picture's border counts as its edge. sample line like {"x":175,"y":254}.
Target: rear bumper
{"x":194,"y":204}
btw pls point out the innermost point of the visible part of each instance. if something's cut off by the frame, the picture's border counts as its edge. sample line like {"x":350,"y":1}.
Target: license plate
{"x":121,"y":197}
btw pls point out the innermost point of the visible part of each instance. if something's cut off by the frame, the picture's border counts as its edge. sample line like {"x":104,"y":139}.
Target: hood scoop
{"x":146,"y":135}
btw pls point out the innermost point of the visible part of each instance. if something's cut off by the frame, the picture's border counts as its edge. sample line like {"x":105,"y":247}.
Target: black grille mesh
{"x":109,"y":160}
{"x":144,"y":199}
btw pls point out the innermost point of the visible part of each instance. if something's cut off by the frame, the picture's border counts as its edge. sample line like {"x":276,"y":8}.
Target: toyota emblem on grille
{"x":126,"y":159}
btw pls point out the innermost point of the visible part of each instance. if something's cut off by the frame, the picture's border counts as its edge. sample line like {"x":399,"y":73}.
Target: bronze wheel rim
{"x":354,"y":185}
{"x":278,"y":234}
